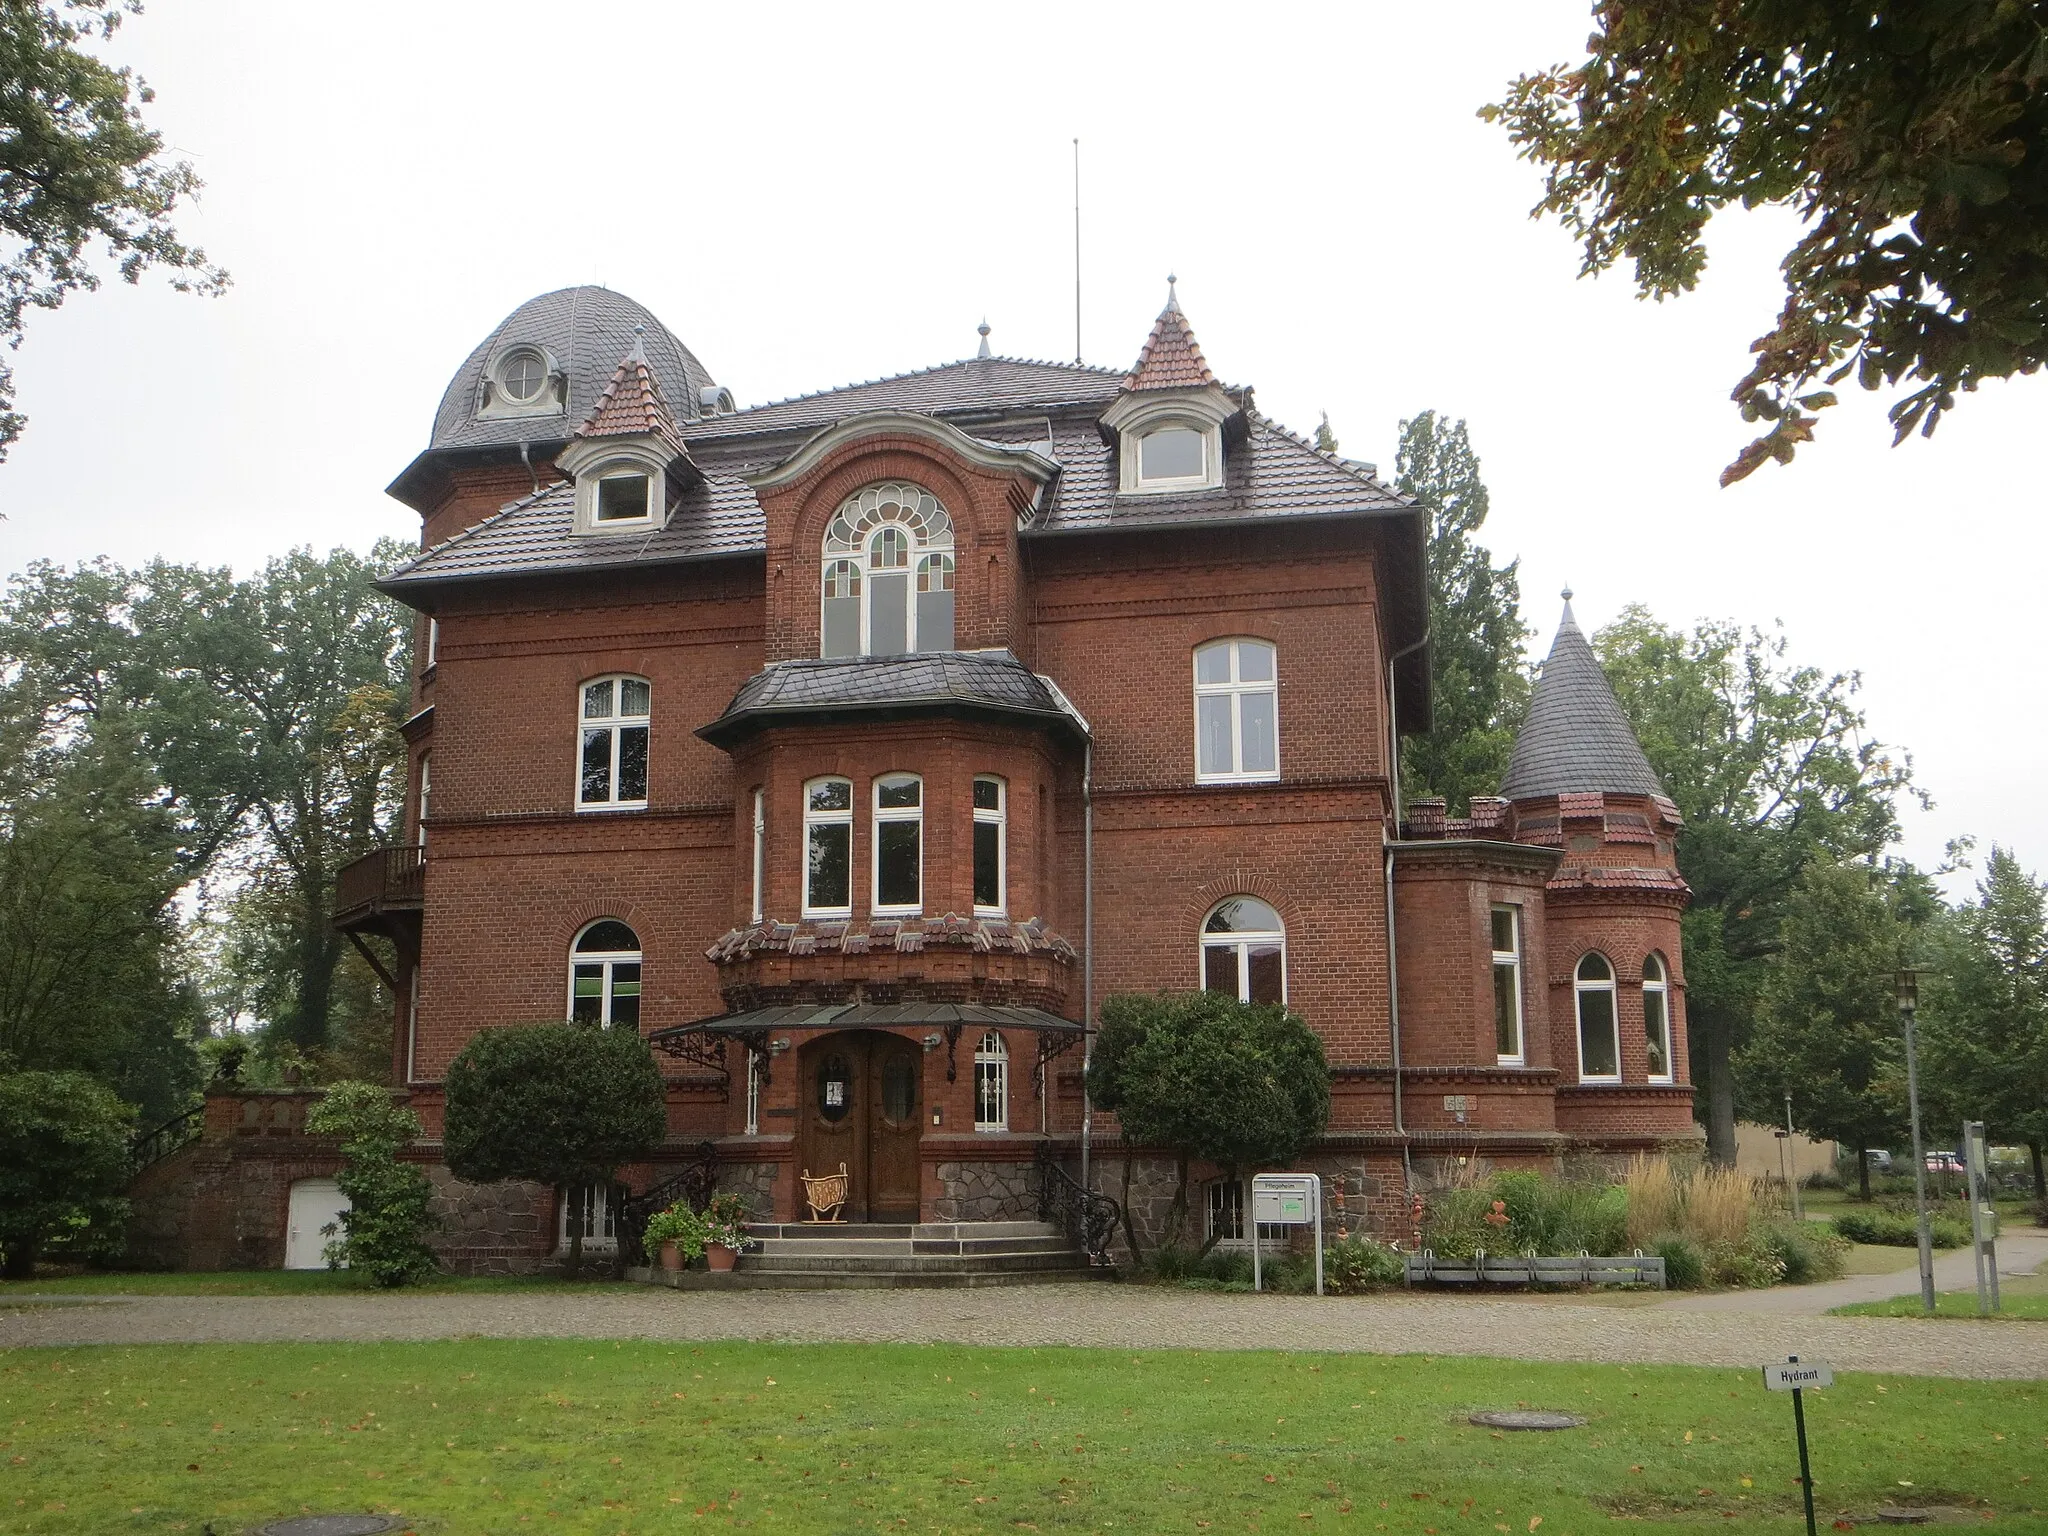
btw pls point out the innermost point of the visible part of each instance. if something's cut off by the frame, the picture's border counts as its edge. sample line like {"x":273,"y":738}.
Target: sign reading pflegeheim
{"x":1806,"y":1374}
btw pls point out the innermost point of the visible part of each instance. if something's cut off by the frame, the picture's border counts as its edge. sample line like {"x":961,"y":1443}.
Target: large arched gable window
{"x":1599,"y":1029}
{"x":887,"y":580}
{"x":604,"y":975}
{"x":1657,"y":1017}
{"x":1244,"y":951}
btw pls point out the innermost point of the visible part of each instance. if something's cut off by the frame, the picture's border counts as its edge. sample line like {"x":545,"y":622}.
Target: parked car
{"x":1944,"y":1162}
{"x":1880,"y":1160}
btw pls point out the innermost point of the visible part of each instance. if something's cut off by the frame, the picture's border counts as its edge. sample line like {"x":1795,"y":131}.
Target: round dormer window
{"x":522,"y":376}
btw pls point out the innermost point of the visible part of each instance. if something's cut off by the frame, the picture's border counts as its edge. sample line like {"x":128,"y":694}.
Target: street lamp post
{"x":1907,"y":985}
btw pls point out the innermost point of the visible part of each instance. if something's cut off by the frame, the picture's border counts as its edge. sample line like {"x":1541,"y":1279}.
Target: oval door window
{"x":899,"y":1090}
{"x":835,"y":1087}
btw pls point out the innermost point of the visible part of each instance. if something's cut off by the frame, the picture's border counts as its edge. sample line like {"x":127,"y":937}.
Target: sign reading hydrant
{"x":1287,"y":1200}
{"x":1799,"y":1377}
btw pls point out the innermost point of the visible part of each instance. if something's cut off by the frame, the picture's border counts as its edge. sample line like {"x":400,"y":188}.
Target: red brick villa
{"x":842,"y":745}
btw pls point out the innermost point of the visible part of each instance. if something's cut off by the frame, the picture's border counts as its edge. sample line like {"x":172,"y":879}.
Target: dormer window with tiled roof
{"x":626,"y":459}
{"x":1168,"y":420}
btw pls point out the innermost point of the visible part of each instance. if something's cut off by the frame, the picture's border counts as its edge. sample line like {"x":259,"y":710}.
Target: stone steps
{"x":853,"y":1255}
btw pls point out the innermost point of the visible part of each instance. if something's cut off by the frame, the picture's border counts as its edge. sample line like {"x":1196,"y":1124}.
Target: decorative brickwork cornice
{"x":910,"y":935}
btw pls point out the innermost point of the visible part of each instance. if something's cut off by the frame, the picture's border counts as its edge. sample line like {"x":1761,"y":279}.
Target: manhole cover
{"x":329,"y":1525}
{"x":1526,"y":1418}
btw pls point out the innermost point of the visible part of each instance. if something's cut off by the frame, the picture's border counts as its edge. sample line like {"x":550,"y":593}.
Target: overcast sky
{"x":814,"y":195}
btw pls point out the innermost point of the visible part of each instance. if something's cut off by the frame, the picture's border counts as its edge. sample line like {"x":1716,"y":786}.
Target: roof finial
{"x":637,"y":353}
{"x":1569,"y":621}
{"x":1172,"y":298}
{"x":983,"y":330}
{"x":1567,"y":593}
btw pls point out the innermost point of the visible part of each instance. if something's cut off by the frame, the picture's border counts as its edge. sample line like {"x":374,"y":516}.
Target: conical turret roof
{"x":1576,"y":739}
{"x":1171,"y":357}
{"x":632,"y":403}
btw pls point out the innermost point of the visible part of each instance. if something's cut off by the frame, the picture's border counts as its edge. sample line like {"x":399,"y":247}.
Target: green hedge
{"x":1892,"y":1229}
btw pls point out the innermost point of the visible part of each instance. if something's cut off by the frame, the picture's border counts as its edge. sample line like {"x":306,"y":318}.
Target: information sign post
{"x":1798,"y":1379}
{"x":1286,"y":1200}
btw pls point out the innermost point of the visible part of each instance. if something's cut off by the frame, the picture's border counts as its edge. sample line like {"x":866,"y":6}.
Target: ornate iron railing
{"x":178,"y":1131}
{"x":1090,"y":1219}
{"x":694,"y":1183}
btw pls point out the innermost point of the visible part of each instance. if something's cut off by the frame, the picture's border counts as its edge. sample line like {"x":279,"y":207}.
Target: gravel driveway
{"x":1121,"y":1316}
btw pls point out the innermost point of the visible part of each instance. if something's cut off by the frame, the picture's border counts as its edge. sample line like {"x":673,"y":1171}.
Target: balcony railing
{"x":389,"y":879}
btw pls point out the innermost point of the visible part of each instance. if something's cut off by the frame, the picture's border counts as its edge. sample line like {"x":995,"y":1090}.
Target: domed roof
{"x":584,"y":332}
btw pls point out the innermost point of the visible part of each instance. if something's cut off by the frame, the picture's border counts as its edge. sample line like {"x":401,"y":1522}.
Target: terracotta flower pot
{"x":671,"y":1258}
{"x":719,"y":1256}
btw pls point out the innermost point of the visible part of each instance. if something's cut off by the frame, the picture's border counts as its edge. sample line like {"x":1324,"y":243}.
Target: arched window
{"x":991,"y":838}
{"x":1599,"y":1034}
{"x":899,"y":843}
{"x":992,"y":1084}
{"x":828,"y":848}
{"x":887,"y":584}
{"x":1244,"y":951}
{"x":1657,"y":1017}
{"x":604,"y":975}
{"x":1237,"y":715}
{"x":612,"y":758}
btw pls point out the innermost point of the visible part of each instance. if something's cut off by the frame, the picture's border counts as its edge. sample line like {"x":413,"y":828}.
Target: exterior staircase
{"x":804,"y":1256}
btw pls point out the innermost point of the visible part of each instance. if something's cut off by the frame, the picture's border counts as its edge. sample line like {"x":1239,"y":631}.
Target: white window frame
{"x":419,"y":820}
{"x":1242,"y":943}
{"x":880,"y":815}
{"x":1580,"y":987}
{"x":850,"y":539}
{"x":1236,"y":690}
{"x":760,"y":862}
{"x":753,"y":1094}
{"x":498,"y":403}
{"x":1509,"y":960}
{"x":588,"y":482}
{"x":610,"y":960}
{"x":1659,"y":988}
{"x":617,"y":723}
{"x":412,"y":1026}
{"x":992,"y":1083}
{"x":999,"y":818}
{"x":1135,"y":482}
{"x":832,"y":818}
{"x":433,"y":644}
{"x":600,"y":1224}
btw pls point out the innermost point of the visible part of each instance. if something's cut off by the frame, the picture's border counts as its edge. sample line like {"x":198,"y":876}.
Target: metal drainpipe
{"x":1393,"y":966}
{"x":1087,"y":947}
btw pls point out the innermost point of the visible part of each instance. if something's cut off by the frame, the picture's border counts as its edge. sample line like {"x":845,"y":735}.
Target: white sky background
{"x":814,"y":195}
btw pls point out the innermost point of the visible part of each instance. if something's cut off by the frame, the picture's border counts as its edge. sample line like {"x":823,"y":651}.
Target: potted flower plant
{"x":725,"y":1230}
{"x":678,"y":1233}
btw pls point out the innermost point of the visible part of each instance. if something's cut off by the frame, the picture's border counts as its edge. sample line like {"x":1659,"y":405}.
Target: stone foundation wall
{"x":979,"y":1191}
{"x":753,"y":1182}
{"x":492,"y":1229}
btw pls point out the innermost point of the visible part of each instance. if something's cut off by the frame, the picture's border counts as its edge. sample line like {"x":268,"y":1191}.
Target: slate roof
{"x":1576,"y":739}
{"x":1171,"y":357}
{"x":587,"y":330}
{"x":975,"y":384}
{"x":934,"y":682}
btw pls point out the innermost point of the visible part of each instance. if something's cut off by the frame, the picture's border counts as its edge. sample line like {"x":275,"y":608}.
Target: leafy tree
{"x":266,"y":709}
{"x":383,"y":1231}
{"x":555,"y":1103}
{"x":1828,"y":1030}
{"x":1908,"y":136}
{"x":1242,"y":1085}
{"x":1772,"y":767}
{"x":63,"y":1163}
{"x":77,"y":167}
{"x":1984,"y":1014}
{"x":1479,"y":685}
{"x":91,"y":969}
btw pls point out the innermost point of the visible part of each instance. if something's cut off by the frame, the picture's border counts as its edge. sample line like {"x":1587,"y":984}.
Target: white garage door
{"x":315,"y":1203}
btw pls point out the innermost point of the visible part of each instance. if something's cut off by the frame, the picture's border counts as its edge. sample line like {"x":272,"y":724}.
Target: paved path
{"x":1121,"y":1316}
{"x":2021,"y":1251}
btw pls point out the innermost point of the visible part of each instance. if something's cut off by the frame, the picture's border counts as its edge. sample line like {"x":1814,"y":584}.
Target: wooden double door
{"x":862,"y":1104}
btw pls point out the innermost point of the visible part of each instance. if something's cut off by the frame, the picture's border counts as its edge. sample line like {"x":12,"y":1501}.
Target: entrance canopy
{"x":703,"y":1042}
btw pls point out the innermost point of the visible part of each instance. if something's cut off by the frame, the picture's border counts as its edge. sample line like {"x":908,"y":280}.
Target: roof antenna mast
{"x":1077,"y":253}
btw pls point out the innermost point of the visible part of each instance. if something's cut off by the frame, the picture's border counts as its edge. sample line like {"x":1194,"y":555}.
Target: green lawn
{"x":262,"y":1282}
{"x":2024,"y":1298}
{"x":591,"y":1436}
